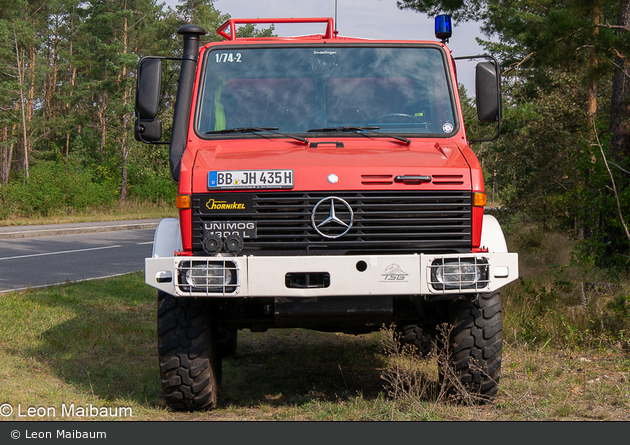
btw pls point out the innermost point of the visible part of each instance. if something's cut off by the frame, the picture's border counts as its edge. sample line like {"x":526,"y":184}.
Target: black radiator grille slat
{"x":384,"y":222}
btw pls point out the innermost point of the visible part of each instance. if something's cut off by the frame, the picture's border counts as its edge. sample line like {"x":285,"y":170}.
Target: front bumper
{"x":320,"y":276}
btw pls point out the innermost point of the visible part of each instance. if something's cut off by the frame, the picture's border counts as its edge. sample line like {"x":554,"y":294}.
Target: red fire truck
{"x":324,"y":183}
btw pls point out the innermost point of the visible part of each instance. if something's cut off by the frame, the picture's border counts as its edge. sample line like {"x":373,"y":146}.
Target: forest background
{"x":67,"y":96}
{"x":562,"y":164}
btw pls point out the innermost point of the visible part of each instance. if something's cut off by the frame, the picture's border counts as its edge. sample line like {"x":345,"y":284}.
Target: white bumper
{"x":319,"y":276}
{"x":345,"y":275}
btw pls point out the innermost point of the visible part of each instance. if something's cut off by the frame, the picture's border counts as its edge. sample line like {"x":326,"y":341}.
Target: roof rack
{"x":231,"y":23}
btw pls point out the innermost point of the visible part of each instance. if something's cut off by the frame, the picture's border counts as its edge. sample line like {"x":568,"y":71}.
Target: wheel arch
{"x":167,"y":238}
{"x":492,"y":237}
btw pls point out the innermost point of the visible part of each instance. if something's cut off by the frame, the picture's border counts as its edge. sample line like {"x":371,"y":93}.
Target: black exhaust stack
{"x":181,"y":115}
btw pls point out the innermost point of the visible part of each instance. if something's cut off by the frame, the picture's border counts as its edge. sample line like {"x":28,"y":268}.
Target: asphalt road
{"x":71,"y":253}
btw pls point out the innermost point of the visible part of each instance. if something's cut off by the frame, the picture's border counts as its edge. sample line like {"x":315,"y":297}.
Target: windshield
{"x":394,"y":90}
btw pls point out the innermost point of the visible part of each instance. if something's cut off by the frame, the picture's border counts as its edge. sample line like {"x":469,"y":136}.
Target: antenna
{"x":335,"y":32}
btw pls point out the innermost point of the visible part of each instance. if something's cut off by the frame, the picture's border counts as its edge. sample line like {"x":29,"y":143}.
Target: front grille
{"x":384,"y":223}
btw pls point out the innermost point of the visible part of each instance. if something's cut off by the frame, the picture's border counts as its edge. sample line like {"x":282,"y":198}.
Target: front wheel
{"x":190,"y":367}
{"x":471,"y":363}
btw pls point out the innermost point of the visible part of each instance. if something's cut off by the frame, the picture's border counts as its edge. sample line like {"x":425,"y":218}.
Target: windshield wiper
{"x":256,"y":130}
{"x":342,"y":129}
{"x":351,"y":129}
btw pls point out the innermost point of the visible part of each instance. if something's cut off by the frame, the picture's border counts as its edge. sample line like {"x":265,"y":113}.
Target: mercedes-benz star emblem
{"x":332,"y":217}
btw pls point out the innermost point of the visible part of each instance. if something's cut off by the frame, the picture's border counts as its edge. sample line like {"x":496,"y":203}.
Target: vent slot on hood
{"x":377,"y":179}
{"x":448,"y":179}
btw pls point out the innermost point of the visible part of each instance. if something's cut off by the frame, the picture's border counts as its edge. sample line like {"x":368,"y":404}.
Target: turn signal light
{"x":479,"y":199}
{"x":183,"y":202}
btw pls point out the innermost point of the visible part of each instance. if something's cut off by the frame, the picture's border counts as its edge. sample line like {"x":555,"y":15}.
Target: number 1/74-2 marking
{"x":227,"y":57}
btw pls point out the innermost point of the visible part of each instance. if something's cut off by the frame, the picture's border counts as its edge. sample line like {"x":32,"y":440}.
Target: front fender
{"x":167,"y":239}
{"x":492,"y":237}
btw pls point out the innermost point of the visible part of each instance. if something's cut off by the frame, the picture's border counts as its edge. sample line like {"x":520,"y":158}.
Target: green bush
{"x":150,"y":176}
{"x":56,"y":187}
{"x":153,"y":188}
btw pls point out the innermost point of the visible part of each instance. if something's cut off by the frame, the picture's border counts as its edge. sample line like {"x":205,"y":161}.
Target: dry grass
{"x":123,"y":211}
{"x":61,"y":347}
{"x":95,"y":343}
{"x":537,"y":383}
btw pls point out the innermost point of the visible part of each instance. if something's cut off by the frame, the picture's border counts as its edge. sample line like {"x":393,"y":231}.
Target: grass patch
{"x":82,"y":343}
{"x":94,"y":343}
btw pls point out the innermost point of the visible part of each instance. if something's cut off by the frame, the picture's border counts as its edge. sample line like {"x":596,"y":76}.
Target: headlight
{"x":459,"y":273}
{"x":207,"y":276}
{"x":212,"y":276}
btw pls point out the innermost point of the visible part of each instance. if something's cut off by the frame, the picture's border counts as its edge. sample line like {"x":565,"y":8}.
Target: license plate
{"x":248,"y":179}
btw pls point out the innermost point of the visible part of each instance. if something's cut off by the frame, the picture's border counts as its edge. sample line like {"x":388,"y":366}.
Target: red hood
{"x":360,"y":164}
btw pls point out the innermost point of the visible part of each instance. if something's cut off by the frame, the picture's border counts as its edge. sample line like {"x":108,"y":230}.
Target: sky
{"x":372,"y":19}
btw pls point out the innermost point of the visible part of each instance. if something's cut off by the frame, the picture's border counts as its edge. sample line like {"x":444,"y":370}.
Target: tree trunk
{"x":21,"y":82}
{"x":591,"y":113}
{"x":124,"y":146}
{"x":102,"y":120}
{"x":53,"y":92}
{"x":7,"y":154}
{"x":123,"y":187}
{"x":591,"y":110}
{"x":72,"y":80}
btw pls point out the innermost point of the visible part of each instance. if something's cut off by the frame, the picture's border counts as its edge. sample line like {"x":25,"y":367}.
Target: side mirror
{"x":148,"y":88}
{"x":148,"y":129}
{"x":487,"y":92}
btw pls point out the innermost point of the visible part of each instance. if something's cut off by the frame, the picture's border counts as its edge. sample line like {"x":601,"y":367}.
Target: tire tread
{"x":475,"y":344}
{"x":189,"y":364}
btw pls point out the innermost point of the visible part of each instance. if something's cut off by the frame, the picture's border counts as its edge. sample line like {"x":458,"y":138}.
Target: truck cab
{"x":327,"y":183}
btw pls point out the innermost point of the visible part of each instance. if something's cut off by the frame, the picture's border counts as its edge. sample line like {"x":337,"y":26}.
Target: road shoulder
{"x":13,"y":232}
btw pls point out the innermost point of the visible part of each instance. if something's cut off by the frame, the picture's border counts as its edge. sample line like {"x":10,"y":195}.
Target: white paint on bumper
{"x":348,"y":275}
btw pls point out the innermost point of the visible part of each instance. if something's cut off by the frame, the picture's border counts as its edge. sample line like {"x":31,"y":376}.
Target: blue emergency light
{"x":443,"y":28}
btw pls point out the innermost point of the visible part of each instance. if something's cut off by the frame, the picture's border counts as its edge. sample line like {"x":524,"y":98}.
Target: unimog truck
{"x":324,"y":183}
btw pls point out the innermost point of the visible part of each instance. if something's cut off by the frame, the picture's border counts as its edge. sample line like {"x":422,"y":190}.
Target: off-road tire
{"x":475,"y":347}
{"x":413,"y":337}
{"x":190,"y":368}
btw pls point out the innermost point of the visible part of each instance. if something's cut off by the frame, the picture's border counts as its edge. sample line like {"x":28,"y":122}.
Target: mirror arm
{"x":152,"y":142}
{"x":489,"y":139}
